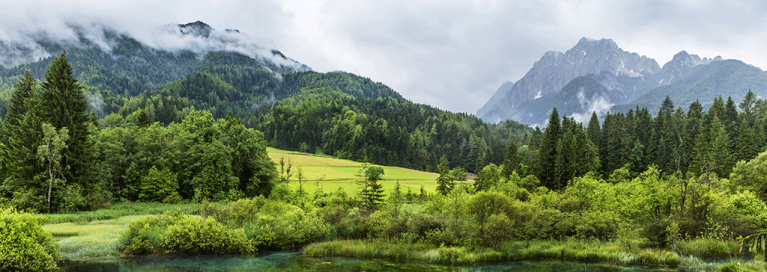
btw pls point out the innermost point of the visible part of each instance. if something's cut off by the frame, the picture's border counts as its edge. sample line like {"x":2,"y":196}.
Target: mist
{"x":65,"y":23}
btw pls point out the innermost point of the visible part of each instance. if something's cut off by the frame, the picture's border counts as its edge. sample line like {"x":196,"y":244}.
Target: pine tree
{"x":638,"y":164}
{"x":444,"y":182}
{"x":64,"y":105}
{"x":719,"y":152}
{"x":511,"y":161}
{"x":372,"y":192}
{"x":593,"y":128}
{"x":478,"y":173}
{"x":547,"y":152}
{"x":25,"y":177}
{"x":746,"y":144}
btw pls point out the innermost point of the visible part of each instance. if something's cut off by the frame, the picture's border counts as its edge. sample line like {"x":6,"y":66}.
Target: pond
{"x":294,"y":261}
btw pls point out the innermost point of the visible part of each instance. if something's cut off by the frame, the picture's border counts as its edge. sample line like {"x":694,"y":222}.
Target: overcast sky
{"x":449,"y":54}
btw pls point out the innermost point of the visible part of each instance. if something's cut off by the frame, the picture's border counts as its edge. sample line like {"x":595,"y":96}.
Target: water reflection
{"x":293,"y":261}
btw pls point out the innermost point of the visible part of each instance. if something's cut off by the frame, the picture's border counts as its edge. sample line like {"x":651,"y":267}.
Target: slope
{"x":731,"y":78}
{"x":333,"y":173}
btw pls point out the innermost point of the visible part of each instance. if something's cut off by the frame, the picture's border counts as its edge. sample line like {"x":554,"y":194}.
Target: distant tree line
{"x":686,"y":143}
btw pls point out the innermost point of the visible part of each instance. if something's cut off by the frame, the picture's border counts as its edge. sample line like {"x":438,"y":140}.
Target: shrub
{"x":24,"y":245}
{"x":194,"y":234}
{"x":284,"y":226}
{"x":496,"y":230}
{"x":144,"y":235}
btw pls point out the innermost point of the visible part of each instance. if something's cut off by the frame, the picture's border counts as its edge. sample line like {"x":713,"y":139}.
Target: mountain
{"x":114,"y":60}
{"x":622,"y":77}
{"x":555,"y":69}
{"x":728,"y":78}
{"x":186,"y":67}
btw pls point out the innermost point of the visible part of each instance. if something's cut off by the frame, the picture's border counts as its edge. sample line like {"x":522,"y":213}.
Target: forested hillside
{"x":168,"y":85}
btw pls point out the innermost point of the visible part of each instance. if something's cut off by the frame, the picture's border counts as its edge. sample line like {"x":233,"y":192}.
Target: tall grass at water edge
{"x":522,"y":250}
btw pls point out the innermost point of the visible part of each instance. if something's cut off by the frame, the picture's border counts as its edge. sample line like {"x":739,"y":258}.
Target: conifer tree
{"x":478,"y":172}
{"x":719,"y":152}
{"x":64,"y":105}
{"x":25,"y":178}
{"x":372,"y":192}
{"x":511,"y":161}
{"x":548,"y":150}
{"x":444,"y":182}
{"x":593,"y":128}
{"x":637,"y":159}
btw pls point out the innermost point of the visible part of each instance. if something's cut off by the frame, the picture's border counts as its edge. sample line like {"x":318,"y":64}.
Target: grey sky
{"x":449,"y":54}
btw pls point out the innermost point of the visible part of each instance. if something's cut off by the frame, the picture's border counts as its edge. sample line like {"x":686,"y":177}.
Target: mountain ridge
{"x":631,"y":76}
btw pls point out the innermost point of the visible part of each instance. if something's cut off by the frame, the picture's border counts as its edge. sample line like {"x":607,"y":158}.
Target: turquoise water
{"x":293,"y":261}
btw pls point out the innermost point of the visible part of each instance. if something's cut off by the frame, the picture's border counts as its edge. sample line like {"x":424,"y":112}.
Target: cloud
{"x":596,"y":104}
{"x":150,"y":23}
{"x":450,"y":54}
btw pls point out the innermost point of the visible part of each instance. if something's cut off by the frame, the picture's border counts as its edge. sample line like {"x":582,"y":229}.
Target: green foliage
{"x":159,"y":186}
{"x":24,"y":245}
{"x":371,"y":189}
{"x":752,"y":175}
{"x":197,"y":235}
{"x":444,"y":181}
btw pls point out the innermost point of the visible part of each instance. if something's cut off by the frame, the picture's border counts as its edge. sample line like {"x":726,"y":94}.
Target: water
{"x":294,"y":261}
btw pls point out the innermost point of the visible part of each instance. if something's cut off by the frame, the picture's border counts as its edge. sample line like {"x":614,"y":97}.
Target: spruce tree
{"x":478,"y":173}
{"x":593,"y":128}
{"x":25,"y":178}
{"x":63,"y":105}
{"x":547,"y":151}
{"x":444,"y":182}
{"x":719,"y":152}
{"x":511,"y":161}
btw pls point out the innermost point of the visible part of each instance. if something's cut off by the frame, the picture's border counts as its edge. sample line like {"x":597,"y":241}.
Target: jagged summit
{"x":197,"y":29}
{"x":621,"y":77}
{"x":555,"y":69}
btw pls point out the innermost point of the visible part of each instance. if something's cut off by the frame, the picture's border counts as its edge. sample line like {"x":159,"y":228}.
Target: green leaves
{"x":24,"y":245}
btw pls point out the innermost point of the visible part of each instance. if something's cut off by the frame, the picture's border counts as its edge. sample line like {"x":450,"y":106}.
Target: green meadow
{"x":98,"y":238}
{"x":332,"y":173}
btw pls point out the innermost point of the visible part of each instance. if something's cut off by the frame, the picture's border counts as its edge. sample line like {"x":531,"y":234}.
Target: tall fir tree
{"x":593,"y":128}
{"x":25,"y":177}
{"x":511,"y":161}
{"x":63,"y":105}
{"x":547,"y":152}
{"x":719,"y":152}
{"x":444,"y":182}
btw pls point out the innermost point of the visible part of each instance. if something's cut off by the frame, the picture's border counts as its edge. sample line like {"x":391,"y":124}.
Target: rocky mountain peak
{"x":603,"y":45}
{"x":197,"y":29}
{"x":555,"y":69}
{"x":679,"y":65}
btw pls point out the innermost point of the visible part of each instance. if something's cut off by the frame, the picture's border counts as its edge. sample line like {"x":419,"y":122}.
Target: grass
{"x":119,"y":210}
{"x":334,"y":173}
{"x":98,"y":238}
{"x":709,"y":248}
{"x":517,"y":251}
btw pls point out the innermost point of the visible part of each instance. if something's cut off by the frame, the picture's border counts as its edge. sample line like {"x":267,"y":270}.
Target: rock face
{"x":197,"y":29}
{"x":622,"y":76}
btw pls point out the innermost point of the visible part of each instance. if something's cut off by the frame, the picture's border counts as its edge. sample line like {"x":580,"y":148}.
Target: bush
{"x":284,"y":226}
{"x":24,"y":245}
{"x":195,"y":235}
{"x":496,"y":230}
{"x":144,"y":235}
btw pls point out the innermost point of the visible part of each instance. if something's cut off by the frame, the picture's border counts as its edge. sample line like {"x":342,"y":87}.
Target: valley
{"x":119,"y":149}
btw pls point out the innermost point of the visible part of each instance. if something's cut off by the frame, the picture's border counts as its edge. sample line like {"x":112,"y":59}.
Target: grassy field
{"x":95,"y":239}
{"x":331,"y":173}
